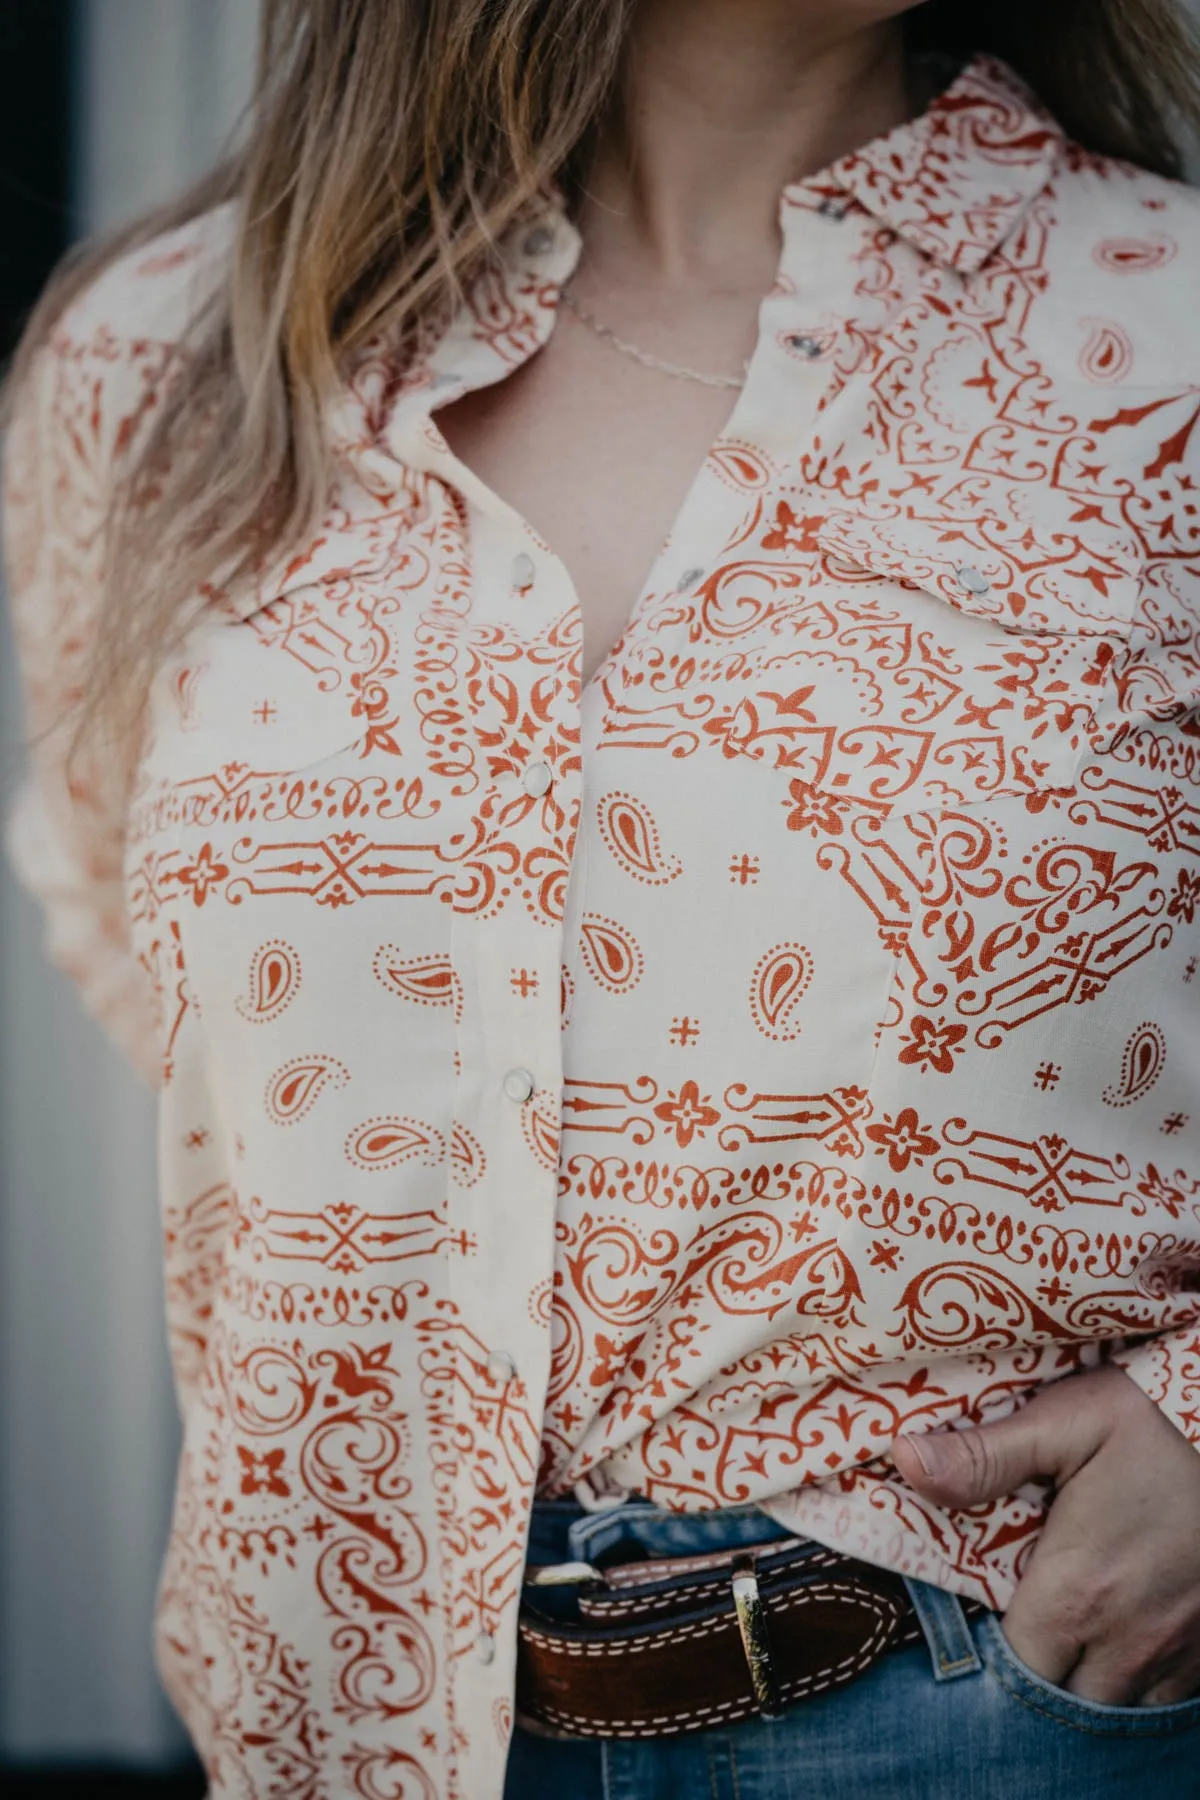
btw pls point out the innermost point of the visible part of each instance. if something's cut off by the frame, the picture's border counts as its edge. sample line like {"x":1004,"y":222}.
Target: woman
{"x":633,"y":573}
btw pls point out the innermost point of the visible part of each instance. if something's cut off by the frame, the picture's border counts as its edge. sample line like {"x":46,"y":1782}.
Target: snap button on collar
{"x":523,"y":571}
{"x":973,"y":581}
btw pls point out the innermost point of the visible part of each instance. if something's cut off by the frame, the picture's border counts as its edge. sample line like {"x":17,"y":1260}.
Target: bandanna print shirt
{"x":689,"y":1083}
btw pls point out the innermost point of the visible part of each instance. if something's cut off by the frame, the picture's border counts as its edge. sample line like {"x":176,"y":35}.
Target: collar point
{"x":969,"y":259}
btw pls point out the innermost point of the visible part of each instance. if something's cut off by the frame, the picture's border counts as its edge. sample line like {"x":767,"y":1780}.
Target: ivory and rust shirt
{"x":789,"y":1040}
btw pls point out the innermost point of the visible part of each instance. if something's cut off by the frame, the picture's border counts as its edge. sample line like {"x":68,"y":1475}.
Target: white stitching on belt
{"x":620,"y":1603}
{"x":693,"y":1631}
{"x":602,"y":1607}
{"x":789,"y":1690}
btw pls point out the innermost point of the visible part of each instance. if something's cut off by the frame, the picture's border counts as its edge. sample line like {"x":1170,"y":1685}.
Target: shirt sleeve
{"x":1167,"y":1368}
{"x":64,"y":830}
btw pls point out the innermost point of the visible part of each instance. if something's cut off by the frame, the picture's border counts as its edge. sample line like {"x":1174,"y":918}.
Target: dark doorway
{"x":36,"y":38}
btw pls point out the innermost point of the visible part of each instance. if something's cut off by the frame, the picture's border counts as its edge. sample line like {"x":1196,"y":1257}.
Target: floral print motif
{"x":687,"y":1113}
{"x":931,"y":1045}
{"x":903,"y":1139}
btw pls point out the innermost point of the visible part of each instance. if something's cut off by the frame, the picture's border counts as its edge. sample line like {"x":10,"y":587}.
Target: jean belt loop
{"x":951,"y":1647}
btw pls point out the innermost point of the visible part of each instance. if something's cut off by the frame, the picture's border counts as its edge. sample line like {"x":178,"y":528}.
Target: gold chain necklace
{"x":643,"y":356}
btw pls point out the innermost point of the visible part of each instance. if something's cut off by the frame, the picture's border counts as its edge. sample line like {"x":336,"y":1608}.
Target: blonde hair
{"x":391,"y":143}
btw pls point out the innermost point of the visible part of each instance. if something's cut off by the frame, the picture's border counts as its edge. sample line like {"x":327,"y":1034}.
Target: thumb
{"x":979,"y":1462}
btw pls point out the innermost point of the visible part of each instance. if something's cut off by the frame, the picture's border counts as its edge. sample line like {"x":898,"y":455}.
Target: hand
{"x":1109,"y":1605}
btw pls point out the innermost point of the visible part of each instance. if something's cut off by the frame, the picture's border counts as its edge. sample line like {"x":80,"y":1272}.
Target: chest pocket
{"x":945,"y":661}
{"x":261,"y":740}
{"x":276,"y":691}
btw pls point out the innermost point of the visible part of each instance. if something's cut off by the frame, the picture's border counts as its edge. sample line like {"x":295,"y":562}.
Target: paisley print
{"x":294,"y":1089}
{"x":185,"y":687}
{"x":540,"y":1125}
{"x":610,"y":953}
{"x":540,"y":1302}
{"x":386,"y":1142}
{"x":1108,"y":352}
{"x":1134,"y":256}
{"x":742,"y":465}
{"x":776,"y":989}
{"x":467,"y":1160}
{"x":429,"y":980}
{"x":1142,"y":1062}
{"x":273,"y":983}
{"x":628,"y":828}
{"x":698,"y":1078}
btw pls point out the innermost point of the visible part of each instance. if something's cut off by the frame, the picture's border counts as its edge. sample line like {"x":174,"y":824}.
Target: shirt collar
{"x":957,"y":180}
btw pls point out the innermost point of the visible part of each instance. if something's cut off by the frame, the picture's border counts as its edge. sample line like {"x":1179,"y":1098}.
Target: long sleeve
{"x":64,"y":833}
{"x":1167,"y":1368}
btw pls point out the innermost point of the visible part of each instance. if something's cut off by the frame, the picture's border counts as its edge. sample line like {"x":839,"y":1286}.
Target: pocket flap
{"x":1029,"y":577}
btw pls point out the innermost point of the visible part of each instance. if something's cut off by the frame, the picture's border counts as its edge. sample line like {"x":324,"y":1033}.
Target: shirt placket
{"x":506,"y":951}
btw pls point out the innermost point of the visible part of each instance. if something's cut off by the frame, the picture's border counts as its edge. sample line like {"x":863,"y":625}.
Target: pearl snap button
{"x":500,"y":1366}
{"x":690,"y":577}
{"x":518,"y":1084}
{"x":485,"y":1647}
{"x":539,"y":240}
{"x":973,"y":581}
{"x":523,"y":571}
{"x":806,"y":346}
{"x":537,"y":778}
{"x":832,"y":209}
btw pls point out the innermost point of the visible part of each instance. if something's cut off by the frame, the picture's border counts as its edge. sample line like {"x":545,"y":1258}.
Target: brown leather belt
{"x":684,"y":1643}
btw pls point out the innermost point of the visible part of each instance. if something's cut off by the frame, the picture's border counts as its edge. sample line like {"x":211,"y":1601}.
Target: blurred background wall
{"x":87,"y":1421}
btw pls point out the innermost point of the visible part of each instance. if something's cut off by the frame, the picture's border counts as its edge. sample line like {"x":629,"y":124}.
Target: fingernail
{"x":926,"y":1453}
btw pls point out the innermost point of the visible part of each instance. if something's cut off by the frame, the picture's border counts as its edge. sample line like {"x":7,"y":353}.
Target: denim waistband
{"x":562,"y":1531}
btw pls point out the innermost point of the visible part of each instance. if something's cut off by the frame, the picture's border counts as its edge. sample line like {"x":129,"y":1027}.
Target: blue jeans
{"x":958,"y":1717}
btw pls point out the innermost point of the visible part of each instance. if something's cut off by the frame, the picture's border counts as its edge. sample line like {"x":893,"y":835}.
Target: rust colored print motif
{"x":987,"y":942}
{"x":316,"y":1445}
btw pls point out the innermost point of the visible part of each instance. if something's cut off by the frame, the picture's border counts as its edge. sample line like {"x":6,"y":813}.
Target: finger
{"x":1106,"y":1676}
{"x":1047,"y":1437}
{"x":1171,"y":1689}
{"x":1125,"y":1671}
{"x":962,"y":1467}
{"x":1041,"y":1645}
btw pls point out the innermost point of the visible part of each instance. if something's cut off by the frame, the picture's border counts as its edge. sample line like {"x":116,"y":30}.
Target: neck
{"x":725,"y":101}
